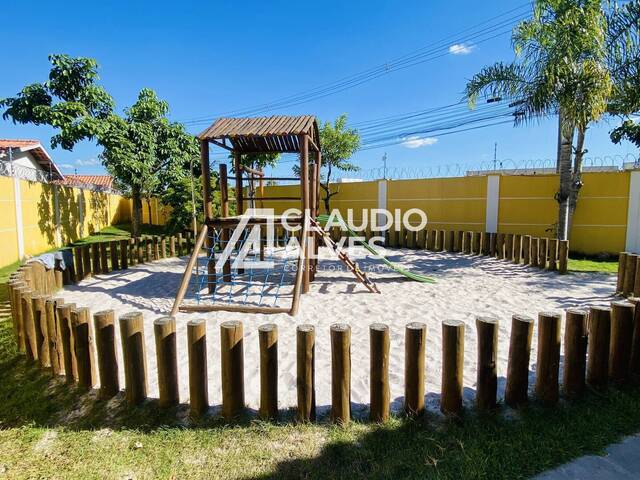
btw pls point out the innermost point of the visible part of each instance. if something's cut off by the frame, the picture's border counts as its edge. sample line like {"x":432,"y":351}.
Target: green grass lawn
{"x":49,"y":429}
{"x":119,"y":232}
{"x":590,"y":265}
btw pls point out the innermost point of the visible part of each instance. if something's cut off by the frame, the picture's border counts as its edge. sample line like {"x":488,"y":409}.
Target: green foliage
{"x":629,"y":130}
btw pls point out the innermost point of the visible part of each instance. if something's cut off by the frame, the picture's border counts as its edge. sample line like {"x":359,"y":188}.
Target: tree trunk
{"x":136,"y":220}
{"x":564,"y":168}
{"x":576,"y":177}
{"x":149,"y":210}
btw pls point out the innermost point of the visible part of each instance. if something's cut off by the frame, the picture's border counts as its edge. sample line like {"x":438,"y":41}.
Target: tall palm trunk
{"x":576,"y":177}
{"x":565,"y":130}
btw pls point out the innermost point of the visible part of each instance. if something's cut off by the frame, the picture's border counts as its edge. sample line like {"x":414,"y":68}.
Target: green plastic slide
{"x":322,"y":220}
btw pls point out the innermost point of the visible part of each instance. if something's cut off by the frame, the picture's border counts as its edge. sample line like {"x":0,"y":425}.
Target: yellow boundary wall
{"x":44,"y":216}
{"x":525,"y":204}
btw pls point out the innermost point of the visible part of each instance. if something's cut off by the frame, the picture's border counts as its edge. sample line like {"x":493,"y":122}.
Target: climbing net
{"x":267,"y":277}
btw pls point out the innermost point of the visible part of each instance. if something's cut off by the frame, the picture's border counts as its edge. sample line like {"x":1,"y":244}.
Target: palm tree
{"x":560,"y":69}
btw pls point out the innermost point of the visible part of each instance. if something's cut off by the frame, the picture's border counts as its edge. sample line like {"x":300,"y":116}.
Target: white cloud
{"x":417,"y":142}
{"x":89,"y":162}
{"x":461,"y":49}
{"x":66,"y":166}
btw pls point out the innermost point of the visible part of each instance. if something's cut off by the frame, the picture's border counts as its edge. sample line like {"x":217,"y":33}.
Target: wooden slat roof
{"x":278,"y":133}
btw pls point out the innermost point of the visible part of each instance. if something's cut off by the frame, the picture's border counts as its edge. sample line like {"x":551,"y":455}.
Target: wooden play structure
{"x":251,"y":136}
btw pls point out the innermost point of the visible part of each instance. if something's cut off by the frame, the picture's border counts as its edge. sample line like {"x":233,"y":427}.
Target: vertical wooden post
{"x":629,"y":274}
{"x":516,"y":392}
{"x":526,"y":249}
{"x":543,"y":247}
{"x":268,"y":339}
{"x":553,"y":254}
{"x":83,"y":344}
{"x":105,"y":332}
{"x":466,"y":242}
{"x":86,"y":261}
{"x":485,"y":241}
{"x":415,"y":335}
{"x":104,"y":257}
{"x":622,"y":263}
{"x":535,"y":246}
{"x":563,"y":256}
{"x":95,"y":258}
{"x":17,"y":293}
{"x":66,"y":338}
{"x":206,"y":179}
{"x":440,"y":241}
{"x":431,"y":240}
{"x":148,"y":250}
{"x":31,"y":341}
{"x":197,"y":351}
{"x":508,"y":246}
{"x":636,"y":284}
{"x":458,"y":240}
{"x":452,"y":365}
{"x":41,"y":331}
{"x":113,"y":250}
{"x":475,"y":243}
{"x":500,"y":245}
{"x":340,"y":373}
{"x":548,"y":368}
{"x":487,"y":370}
{"x":156,"y":248}
{"x":239,"y":194}
{"x":622,"y":314}
{"x":598,"y":347}
{"x":133,"y":353}
{"x":575,"y":351}
{"x":634,"y":361}
{"x":492,"y":244}
{"x":306,"y":377}
{"x":164,"y":329}
{"x":232,"y":362}
{"x":172,"y":246}
{"x":517,"y":248}
{"x":379,"y":372}
{"x":77,"y":258}
{"x":133,"y":249}
{"x":124,"y":249}
{"x":450,"y":241}
{"x":140,"y":243}
{"x":163,"y":247}
{"x":304,"y":190}
{"x":55,"y":345}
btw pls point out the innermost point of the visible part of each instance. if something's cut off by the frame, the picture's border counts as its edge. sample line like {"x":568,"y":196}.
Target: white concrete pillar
{"x":493,"y":203}
{"x":633,"y":214}
{"x":382,"y":201}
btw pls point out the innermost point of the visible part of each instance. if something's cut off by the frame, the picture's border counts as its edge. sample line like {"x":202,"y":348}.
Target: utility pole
{"x":384,"y":163}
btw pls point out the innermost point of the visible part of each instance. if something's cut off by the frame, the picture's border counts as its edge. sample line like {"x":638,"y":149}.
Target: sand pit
{"x":466,"y":286}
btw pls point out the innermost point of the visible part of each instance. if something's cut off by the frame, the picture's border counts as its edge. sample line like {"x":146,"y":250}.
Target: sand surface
{"x":466,"y":287}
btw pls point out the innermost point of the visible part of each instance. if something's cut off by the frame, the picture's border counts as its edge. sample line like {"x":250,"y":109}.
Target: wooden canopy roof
{"x":275,"y":134}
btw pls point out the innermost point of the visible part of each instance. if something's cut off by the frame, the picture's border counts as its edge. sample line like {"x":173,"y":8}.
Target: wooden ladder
{"x":344,"y":258}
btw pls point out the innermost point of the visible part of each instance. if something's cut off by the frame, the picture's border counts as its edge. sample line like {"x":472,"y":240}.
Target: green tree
{"x":338,"y":144}
{"x":561,"y":68}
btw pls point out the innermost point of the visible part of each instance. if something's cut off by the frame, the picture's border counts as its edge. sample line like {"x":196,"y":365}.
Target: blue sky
{"x":210,"y":57}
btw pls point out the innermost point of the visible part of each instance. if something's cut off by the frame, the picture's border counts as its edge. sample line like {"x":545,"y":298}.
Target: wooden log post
{"x":379,"y":372}
{"x":622,"y":263}
{"x":634,"y":361}
{"x":457,"y":240}
{"x":113,"y":251}
{"x":79,"y":265}
{"x":59,"y":274}
{"x":415,"y":335}
{"x":140,"y":250}
{"x":484,"y":243}
{"x":452,"y":365}
{"x":450,"y":241}
{"x":83,"y":345}
{"x":636,"y":283}
{"x":305,"y":372}
{"x":492,"y":244}
{"x":517,"y":388}
{"x":172,"y":246}
{"x":500,"y":240}
{"x":133,"y":353}
{"x":629,"y":274}
{"x":95,"y":259}
{"x":41,"y":331}
{"x":104,"y":257}
{"x":56,"y":356}
{"x":535,"y":246}
{"x":340,"y":373}
{"x":66,"y":340}
{"x":148,"y":250}
{"x":124,"y":254}
{"x":508,"y":247}
{"x":598,"y":347}
{"x":563,"y":256}
{"x":475,"y":243}
{"x":17,"y":292}
{"x":438,"y":240}
{"x":197,"y":351}
{"x":163,"y":247}
{"x":622,"y":314}
{"x":232,"y":367}
{"x":31,"y":341}
{"x":466,"y":242}
{"x":543,"y":248}
{"x":156,"y":248}
{"x":548,"y":367}
{"x":87,"y":267}
{"x":179,"y":244}
{"x":105,"y":333}
{"x":575,"y":351}
{"x":553,"y":254}
{"x":526,"y":249}
{"x":517,"y":248}
{"x":164,"y":330}
{"x":268,"y":340}
{"x":431,"y":240}
{"x":487,"y":370}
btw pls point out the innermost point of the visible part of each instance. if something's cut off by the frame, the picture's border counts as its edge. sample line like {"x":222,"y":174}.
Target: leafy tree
{"x":338,"y":144}
{"x":561,"y":68}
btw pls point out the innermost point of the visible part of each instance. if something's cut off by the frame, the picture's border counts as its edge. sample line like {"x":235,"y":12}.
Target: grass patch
{"x":50,"y":429}
{"x":593,"y":265}
{"x":120,"y":232}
